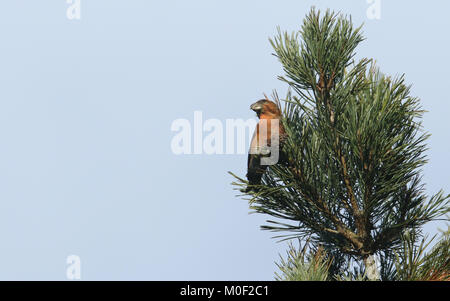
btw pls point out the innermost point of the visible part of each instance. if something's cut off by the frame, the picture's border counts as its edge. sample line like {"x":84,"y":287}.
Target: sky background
{"x":86,"y":108}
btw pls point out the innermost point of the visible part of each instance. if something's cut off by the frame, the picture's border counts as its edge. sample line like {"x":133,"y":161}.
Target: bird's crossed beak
{"x":257,"y":107}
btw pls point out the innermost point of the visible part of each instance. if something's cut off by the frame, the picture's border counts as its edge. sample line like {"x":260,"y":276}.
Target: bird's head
{"x":265,"y":108}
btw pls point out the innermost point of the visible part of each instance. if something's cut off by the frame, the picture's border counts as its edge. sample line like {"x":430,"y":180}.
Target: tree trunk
{"x":371,"y":268}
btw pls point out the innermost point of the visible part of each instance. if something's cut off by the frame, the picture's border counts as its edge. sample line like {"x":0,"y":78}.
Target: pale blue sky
{"x":85,"y":113}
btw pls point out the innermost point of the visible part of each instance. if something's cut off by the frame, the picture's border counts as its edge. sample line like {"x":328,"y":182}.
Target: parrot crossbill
{"x":266,"y":141}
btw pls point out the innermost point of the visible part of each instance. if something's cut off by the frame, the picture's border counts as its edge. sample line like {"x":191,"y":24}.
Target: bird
{"x":262,"y":141}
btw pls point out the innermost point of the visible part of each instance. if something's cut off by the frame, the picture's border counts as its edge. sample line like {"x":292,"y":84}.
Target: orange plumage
{"x":267,"y":112}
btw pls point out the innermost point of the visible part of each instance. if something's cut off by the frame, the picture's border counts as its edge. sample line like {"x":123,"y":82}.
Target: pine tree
{"x":351,"y":181}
